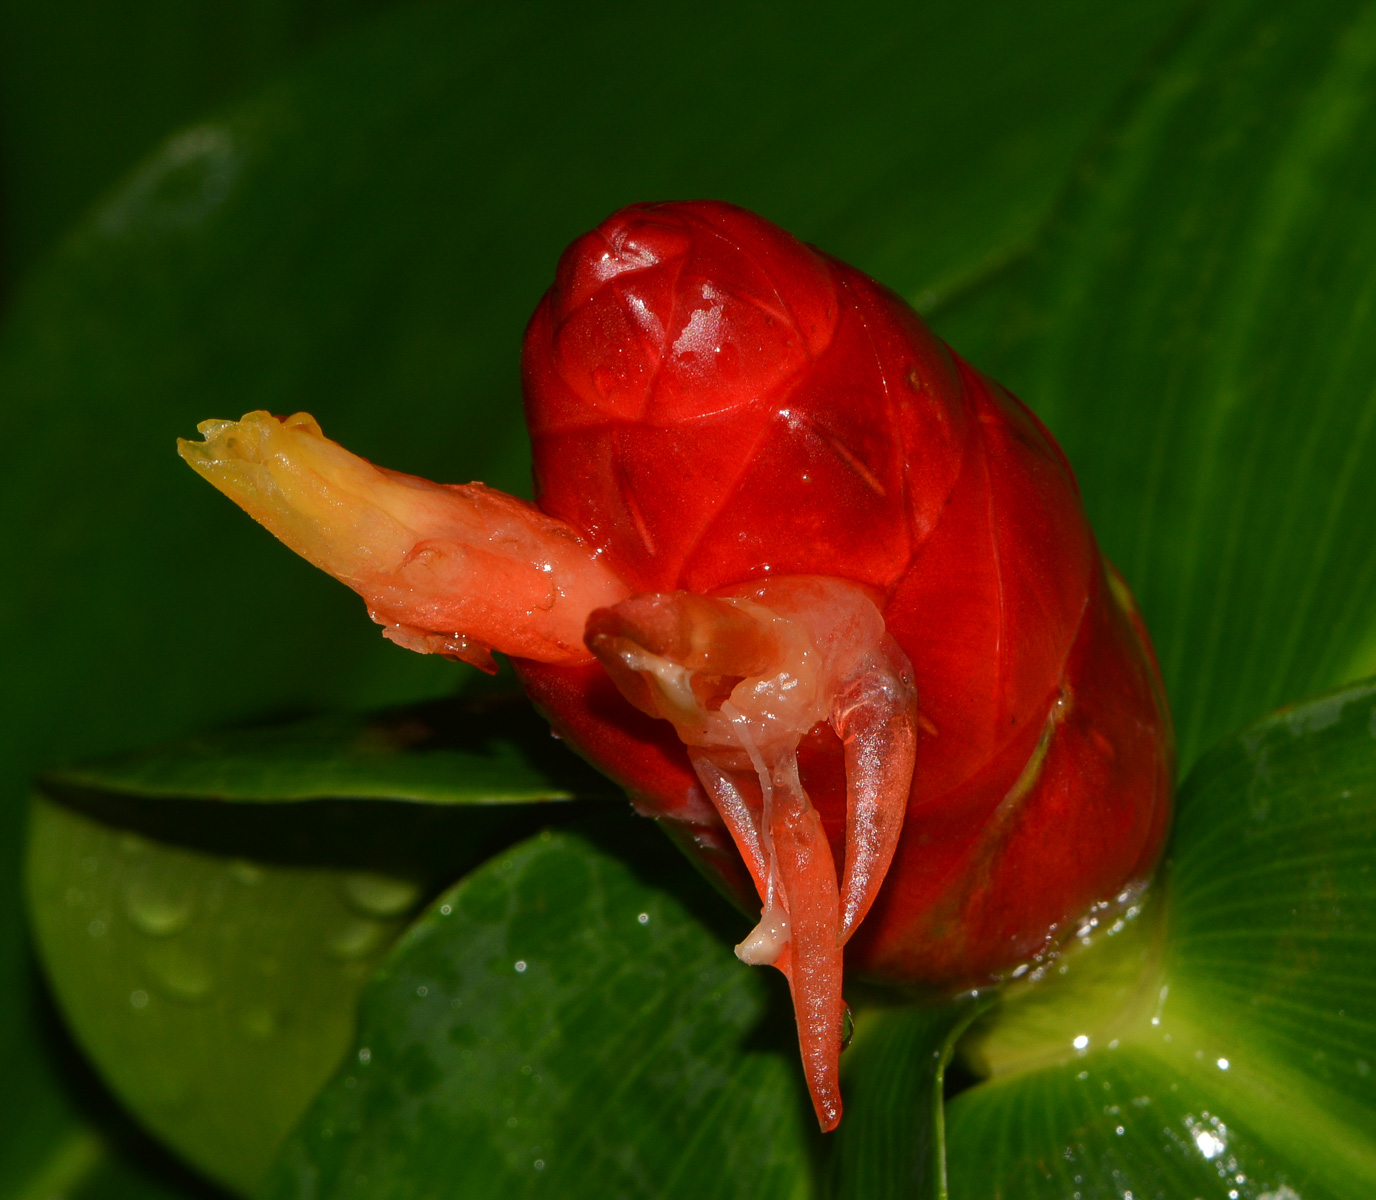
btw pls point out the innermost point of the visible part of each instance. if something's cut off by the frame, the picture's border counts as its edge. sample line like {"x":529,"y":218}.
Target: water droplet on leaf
{"x":380,"y":895}
{"x":259,"y":1023}
{"x":179,"y":975}
{"x":247,"y":873}
{"x":155,"y":909}
{"x":357,"y":939}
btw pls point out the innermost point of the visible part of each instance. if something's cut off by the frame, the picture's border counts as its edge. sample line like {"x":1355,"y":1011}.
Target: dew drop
{"x":604,"y":380}
{"x":847,"y":1026}
{"x":259,"y":1023}
{"x":380,"y":895}
{"x":247,"y":873}
{"x":156,"y":910}
{"x":177,"y":974}
{"x":359,"y":938}
{"x":138,"y":999}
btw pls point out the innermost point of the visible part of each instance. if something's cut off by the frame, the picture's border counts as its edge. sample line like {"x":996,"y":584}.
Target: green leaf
{"x":85,"y":1165}
{"x":892,"y":1141}
{"x":569,"y":1020}
{"x":1198,"y":336}
{"x":87,"y":88}
{"x":1222,"y":1041}
{"x":209,"y":957}
{"x":492,"y":750}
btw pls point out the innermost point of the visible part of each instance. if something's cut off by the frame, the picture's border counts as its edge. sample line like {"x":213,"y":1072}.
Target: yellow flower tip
{"x":327,"y":504}
{"x":448,"y":569}
{"x":249,"y":439}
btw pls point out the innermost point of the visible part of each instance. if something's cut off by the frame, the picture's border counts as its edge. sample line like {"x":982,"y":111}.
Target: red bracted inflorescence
{"x":817,"y":593}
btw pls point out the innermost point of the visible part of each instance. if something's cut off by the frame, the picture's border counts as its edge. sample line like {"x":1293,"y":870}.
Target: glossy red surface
{"x":710,"y":401}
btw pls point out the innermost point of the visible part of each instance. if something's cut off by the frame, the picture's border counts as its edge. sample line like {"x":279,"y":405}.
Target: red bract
{"x":841,"y":604}
{"x":710,"y":401}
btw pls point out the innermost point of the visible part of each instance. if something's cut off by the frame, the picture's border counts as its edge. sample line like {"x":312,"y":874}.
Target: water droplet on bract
{"x":357,"y":939}
{"x":847,"y":1025}
{"x":380,"y":895}
{"x":604,"y":380}
{"x":259,"y":1023}
{"x":177,"y":974}
{"x":156,"y":910}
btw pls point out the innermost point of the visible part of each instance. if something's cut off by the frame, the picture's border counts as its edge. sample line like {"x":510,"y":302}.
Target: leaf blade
{"x":1240,"y":1053}
{"x":562,"y":1018}
{"x":461,"y":751}
{"x":1195,"y":333}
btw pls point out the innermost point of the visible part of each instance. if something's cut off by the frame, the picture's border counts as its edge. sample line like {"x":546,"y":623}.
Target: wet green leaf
{"x":493,"y":750}
{"x":892,"y":1142}
{"x":86,"y":88}
{"x":86,"y":1165}
{"x":568,"y":1020}
{"x":209,"y":958}
{"x":1198,"y":335}
{"x":1222,"y":1041}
